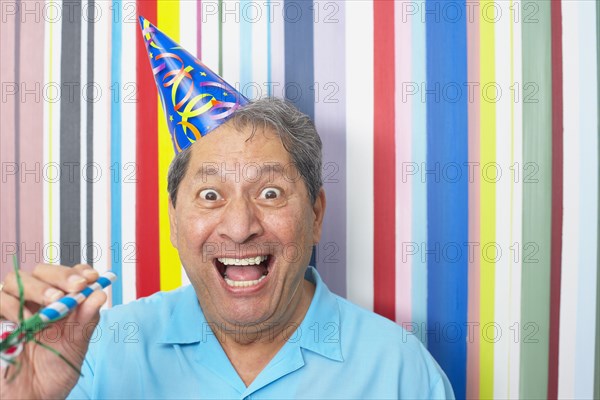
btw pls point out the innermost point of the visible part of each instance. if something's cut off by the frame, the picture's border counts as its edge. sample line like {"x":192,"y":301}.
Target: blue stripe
{"x":447,"y":201}
{"x":87,"y":291}
{"x":419,"y":188}
{"x":104,"y":282}
{"x":69,"y":302}
{"x":299,"y":61}
{"x":246,"y":50}
{"x":50,"y":313}
{"x":115,"y":152}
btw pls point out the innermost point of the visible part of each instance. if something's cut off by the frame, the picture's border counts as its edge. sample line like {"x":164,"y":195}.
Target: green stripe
{"x":537,"y":198}
{"x":597,"y":356}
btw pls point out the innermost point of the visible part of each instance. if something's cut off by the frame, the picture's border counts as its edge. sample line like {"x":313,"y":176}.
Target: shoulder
{"x":369,"y":338}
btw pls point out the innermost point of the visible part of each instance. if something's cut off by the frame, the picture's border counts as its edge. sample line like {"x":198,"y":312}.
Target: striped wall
{"x":460,"y":161}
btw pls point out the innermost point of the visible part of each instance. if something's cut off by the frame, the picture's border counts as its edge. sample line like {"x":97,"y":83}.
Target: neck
{"x":250,"y":348}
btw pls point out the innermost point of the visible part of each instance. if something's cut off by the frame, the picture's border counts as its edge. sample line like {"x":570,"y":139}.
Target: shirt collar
{"x":319,"y":332}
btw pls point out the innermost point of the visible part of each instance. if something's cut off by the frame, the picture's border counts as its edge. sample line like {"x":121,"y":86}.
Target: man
{"x":257,"y":321}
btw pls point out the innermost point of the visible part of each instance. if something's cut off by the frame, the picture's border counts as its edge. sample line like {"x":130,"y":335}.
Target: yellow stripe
{"x":488,"y":197}
{"x":170,"y":266}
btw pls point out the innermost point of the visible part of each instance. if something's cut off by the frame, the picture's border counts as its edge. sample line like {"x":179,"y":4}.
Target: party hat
{"x":195,"y":99}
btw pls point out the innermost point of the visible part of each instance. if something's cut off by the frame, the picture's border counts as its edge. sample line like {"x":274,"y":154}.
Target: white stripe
{"x":129,"y":34}
{"x":231,"y":42}
{"x":571,"y":217}
{"x":103,"y":97}
{"x":585,"y":339}
{"x":187,"y":26}
{"x":503,"y":188}
{"x":210,"y":34}
{"x":83,"y":136}
{"x":403,"y":128}
{"x":359,"y":146}
{"x":59,"y":307}
{"x":277,"y":48}
{"x":51,"y":250}
{"x":255,"y":12}
{"x":514,"y":298}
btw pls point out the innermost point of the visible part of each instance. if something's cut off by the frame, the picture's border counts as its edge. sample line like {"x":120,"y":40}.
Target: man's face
{"x":244,"y":226}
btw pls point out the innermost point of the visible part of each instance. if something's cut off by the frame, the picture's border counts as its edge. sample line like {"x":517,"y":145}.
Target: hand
{"x":43,"y":374}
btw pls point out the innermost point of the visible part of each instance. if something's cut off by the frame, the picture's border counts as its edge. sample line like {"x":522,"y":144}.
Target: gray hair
{"x":296,"y":130}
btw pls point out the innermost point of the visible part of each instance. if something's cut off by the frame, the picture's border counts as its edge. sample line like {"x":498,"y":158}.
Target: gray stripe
{"x":597,"y":361}
{"x":70,"y":121}
{"x":90,"y":132}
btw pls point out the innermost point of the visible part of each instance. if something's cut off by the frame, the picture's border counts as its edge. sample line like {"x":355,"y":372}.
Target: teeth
{"x":243,"y":261}
{"x":243,"y":283}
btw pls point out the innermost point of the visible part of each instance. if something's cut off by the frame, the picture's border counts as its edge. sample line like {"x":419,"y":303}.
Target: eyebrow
{"x":219,"y":170}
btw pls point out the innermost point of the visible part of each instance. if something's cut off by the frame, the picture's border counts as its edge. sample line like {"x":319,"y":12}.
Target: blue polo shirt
{"x":162,"y":347}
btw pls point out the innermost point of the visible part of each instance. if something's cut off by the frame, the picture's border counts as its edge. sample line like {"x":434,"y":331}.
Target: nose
{"x":241,"y":221}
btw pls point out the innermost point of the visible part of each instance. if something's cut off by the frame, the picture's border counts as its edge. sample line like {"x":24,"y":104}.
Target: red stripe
{"x":384,"y":164}
{"x":148,"y":257}
{"x":557,"y":197}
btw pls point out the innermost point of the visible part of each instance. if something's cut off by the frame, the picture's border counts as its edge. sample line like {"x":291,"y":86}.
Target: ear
{"x":173,"y":223}
{"x":319,"y":212}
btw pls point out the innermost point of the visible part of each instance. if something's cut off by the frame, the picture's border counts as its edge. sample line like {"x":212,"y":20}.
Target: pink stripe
{"x":403,"y":34}
{"x":7,"y":149}
{"x":199,"y":30}
{"x":473,"y":302}
{"x":31,"y":142}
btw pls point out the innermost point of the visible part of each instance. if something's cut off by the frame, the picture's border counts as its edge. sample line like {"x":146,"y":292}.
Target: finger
{"x":34,"y":289}
{"x":90,"y":308}
{"x":9,"y":308}
{"x":89,"y":273}
{"x":66,"y":279}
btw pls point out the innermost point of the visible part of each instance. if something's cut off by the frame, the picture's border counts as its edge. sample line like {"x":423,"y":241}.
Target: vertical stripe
{"x":597,"y":362}
{"x":384,"y":170}
{"x":170,"y":265}
{"x":299,"y":61}
{"x":514,"y":296}
{"x":51,"y":193}
{"x":69,"y":133}
{"x":230,"y":53}
{"x":447,"y":196}
{"x":246,"y":49}
{"x":537,"y":158}
{"x":474,"y":277}
{"x":330,"y":120}
{"x":277,"y":50}
{"x":557,"y":198}
{"x":17,"y":132}
{"x":83,"y":126}
{"x":256,"y":14}
{"x":488,"y":250}
{"x":571,"y":213}
{"x":220,"y":26}
{"x":199,"y":23}
{"x":404,"y":163}
{"x":269,"y":55}
{"x":359,"y":146}
{"x":588,"y":200}
{"x":129,"y":168}
{"x":503,"y":185}
{"x":102,"y":97}
{"x":10,"y":169}
{"x":29,"y":148}
{"x":419,"y":157}
{"x":148,"y":254}
{"x":116,"y":164}
{"x":90,"y":135}
{"x":210,"y":33}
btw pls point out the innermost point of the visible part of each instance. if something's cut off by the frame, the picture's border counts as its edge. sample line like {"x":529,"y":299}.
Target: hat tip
{"x":142,"y":19}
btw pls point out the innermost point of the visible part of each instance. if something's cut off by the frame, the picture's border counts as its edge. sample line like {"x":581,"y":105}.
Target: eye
{"x":210,"y":195}
{"x":270,"y":193}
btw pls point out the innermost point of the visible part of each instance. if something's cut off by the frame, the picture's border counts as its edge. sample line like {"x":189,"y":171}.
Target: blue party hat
{"x":195,"y":99}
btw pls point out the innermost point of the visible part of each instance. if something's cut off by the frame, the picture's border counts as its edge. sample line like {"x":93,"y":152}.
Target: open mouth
{"x":243,"y":272}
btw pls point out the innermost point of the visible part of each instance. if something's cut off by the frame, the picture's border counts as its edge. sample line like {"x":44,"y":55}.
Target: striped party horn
{"x":63,"y":306}
{"x":51,"y":313}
